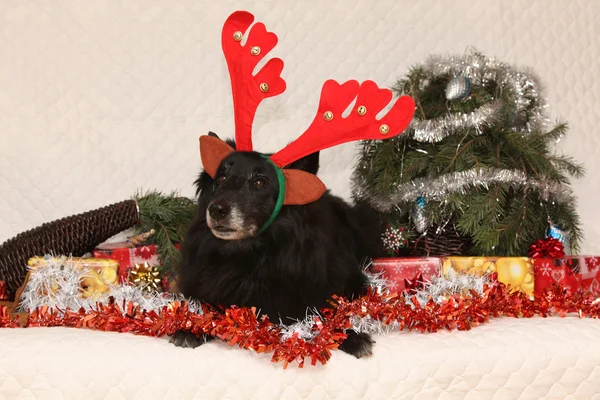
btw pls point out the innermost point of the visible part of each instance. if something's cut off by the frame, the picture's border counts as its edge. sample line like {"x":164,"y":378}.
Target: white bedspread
{"x":504,"y":359}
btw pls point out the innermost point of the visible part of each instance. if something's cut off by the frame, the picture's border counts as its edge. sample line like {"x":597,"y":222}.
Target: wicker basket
{"x":75,"y":235}
{"x":447,"y":242}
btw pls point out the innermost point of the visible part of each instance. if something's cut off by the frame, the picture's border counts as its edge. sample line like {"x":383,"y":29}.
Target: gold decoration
{"x":514,"y":271}
{"x":362,"y":110}
{"x":255,"y":51}
{"x":103,"y":273}
{"x":384,"y":129}
{"x":145,"y":277}
{"x":264,"y":87}
{"x":237,"y":36}
{"x":141,"y":238}
{"x":328,"y":115}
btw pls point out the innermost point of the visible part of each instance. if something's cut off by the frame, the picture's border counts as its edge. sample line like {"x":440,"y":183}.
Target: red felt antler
{"x":329,"y":128}
{"x":248,"y":89}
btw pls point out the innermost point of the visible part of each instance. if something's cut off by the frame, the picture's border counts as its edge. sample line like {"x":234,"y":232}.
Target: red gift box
{"x":128,"y":256}
{"x":396,"y":270}
{"x":575,"y":273}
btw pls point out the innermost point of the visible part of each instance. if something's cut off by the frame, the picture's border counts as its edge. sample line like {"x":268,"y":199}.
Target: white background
{"x":98,"y":99}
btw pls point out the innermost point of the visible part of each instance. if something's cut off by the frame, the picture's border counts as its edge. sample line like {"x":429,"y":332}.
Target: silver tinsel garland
{"x":530,"y":104}
{"x":460,"y":182}
{"x":57,"y":286}
{"x":437,"y":129}
{"x":438,"y":290}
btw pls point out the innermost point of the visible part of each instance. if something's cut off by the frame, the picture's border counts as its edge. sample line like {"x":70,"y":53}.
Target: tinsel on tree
{"x":477,"y":162}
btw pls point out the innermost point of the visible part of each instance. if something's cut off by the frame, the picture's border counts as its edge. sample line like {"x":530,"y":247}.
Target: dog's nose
{"x":218,"y":211}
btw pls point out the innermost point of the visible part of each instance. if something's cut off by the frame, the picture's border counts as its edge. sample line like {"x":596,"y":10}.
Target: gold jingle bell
{"x":237,"y":36}
{"x":255,"y":51}
{"x":362,"y":110}
{"x":384,"y":129}
{"x":328,"y":115}
{"x":264,"y":87}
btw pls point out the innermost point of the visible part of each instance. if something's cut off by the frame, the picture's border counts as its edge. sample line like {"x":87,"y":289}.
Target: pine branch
{"x":515,"y":140}
{"x":169,"y":215}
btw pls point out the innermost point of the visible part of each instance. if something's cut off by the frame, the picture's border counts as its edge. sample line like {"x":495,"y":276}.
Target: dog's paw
{"x":188,"y":339}
{"x":357,"y":344}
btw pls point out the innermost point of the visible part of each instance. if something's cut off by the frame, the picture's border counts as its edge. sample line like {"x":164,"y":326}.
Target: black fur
{"x":309,"y":253}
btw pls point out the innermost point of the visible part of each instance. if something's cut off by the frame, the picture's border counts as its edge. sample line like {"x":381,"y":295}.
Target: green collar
{"x":280,"y":197}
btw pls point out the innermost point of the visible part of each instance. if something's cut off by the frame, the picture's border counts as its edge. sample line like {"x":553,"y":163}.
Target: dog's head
{"x":250,"y":188}
{"x":243,"y":194}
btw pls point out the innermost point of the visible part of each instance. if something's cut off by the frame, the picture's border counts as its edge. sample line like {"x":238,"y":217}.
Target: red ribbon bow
{"x":547,"y":248}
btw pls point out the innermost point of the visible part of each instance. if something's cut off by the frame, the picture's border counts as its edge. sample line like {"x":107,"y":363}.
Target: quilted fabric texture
{"x":102,"y":98}
{"x":504,"y":359}
{"x":98,"y":99}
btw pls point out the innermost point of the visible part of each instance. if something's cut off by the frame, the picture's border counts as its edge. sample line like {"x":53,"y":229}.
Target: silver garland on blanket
{"x":57,"y":285}
{"x":438,"y":290}
{"x":529,"y":102}
{"x":461,"y":182}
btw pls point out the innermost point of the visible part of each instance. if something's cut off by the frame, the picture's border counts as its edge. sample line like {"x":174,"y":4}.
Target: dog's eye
{"x":259,"y":182}
{"x":221,"y":178}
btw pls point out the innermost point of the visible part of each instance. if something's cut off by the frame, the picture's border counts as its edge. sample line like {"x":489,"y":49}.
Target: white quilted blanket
{"x":98,"y":99}
{"x":507,"y":358}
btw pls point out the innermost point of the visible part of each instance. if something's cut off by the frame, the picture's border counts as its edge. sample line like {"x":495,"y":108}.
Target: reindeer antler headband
{"x":328,"y":129}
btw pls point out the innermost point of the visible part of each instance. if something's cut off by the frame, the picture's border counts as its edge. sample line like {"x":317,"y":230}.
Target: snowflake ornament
{"x":394,"y":239}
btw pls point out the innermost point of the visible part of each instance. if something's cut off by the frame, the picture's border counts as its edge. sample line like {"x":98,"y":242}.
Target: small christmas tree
{"x":475,"y":173}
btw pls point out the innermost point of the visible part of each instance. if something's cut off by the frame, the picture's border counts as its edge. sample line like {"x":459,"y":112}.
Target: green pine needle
{"x":169,"y":215}
{"x":500,"y":220}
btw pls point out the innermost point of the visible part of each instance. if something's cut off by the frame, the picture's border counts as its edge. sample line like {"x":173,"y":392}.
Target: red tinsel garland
{"x":3,"y":294}
{"x":240,"y":326}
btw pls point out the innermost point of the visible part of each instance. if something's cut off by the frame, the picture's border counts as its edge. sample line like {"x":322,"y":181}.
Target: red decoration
{"x":397,"y":270}
{"x":328,"y":129}
{"x":547,"y":248}
{"x":335,"y":98}
{"x":248,"y":89}
{"x":6,"y":321}
{"x":412,"y":286}
{"x":575,"y":274}
{"x":241,"y":327}
{"x":146,"y":252}
{"x":128,"y":256}
{"x":3,"y":294}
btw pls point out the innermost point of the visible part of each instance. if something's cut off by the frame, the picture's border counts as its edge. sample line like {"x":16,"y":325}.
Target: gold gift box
{"x":103,"y":272}
{"x":514,"y":271}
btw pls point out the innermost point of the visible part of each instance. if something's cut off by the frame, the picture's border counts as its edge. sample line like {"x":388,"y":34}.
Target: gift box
{"x":101,"y":275}
{"x":396,"y":270}
{"x":518,"y":272}
{"x":128,"y":256}
{"x":575,"y":273}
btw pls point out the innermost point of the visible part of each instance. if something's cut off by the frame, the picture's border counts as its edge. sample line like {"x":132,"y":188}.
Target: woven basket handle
{"x":74,"y":235}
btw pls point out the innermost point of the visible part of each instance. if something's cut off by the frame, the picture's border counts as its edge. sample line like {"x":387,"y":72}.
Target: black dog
{"x":309,"y":253}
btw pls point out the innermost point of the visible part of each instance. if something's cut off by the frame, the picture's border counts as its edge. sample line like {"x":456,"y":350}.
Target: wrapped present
{"x":102,"y":273}
{"x":397,"y":271}
{"x":575,"y":273}
{"x":514,"y":271}
{"x":128,"y":255}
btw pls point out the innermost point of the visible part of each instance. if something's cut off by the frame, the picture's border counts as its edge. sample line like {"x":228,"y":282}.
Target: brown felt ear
{"x":302,"y":187}
{"x":212,"y":151}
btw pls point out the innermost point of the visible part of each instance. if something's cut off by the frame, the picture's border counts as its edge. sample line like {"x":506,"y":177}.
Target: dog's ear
{"x":212,"y":152}
{"x":302,"y":187}
{"x":310,"y":163}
